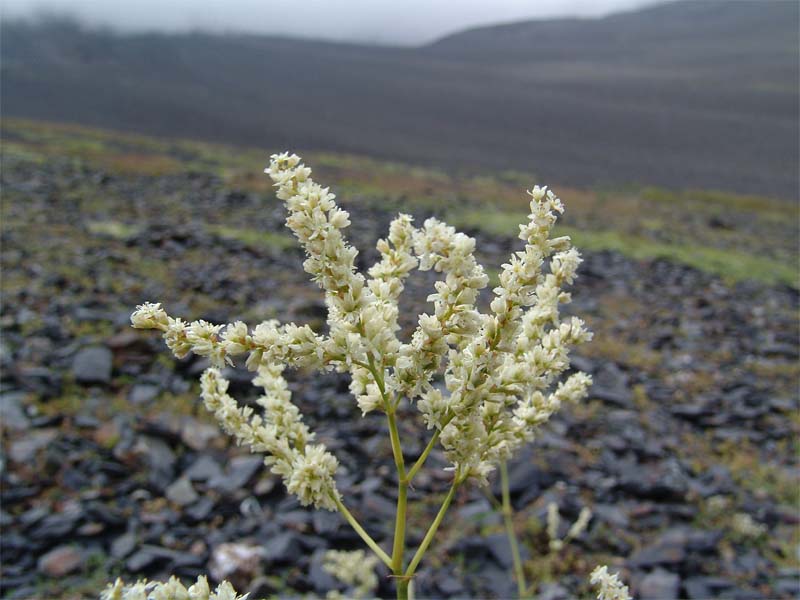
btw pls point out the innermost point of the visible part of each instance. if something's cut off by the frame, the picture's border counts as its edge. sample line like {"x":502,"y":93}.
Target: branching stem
{"x":361,"y":532}
{"x":423,"y":547}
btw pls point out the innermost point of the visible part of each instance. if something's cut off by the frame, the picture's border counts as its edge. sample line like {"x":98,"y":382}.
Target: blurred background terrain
{"x":687,"y":95}
{"x":132,"y":171}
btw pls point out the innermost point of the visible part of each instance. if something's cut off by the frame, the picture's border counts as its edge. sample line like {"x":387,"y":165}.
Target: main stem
{"x":399,"y":546}
{"x":512,"y":536}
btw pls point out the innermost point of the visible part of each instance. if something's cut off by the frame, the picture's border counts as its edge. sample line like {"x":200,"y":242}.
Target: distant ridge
{"x":697,"y":94}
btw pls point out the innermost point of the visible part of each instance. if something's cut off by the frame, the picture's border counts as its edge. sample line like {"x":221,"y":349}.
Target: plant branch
{"x":424,"y":456}
{"x":412,"y":567}
{"x":361,"y":532}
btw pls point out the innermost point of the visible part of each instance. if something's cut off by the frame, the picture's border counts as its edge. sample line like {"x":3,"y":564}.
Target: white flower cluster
{"x":608,"y":585}
{"x":356,"y":569}
{"x":554,"y":521}
{"x":498,"y":368}
{"x":169,"y":590}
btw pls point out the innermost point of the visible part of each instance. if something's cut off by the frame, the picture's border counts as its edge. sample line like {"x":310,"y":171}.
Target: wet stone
{"x":284,"y":547}
{"x":60,"y":561}
{"x":181,"y":492}
{"x":23,"y":450}
{"x":203,"y":469}
{"x":12,"y":413}
{"x":123,"y":545}
{"x":92,"y":365}
{"x":320,"y":579}
{"x":659,"y":585}
{"x":201,"y":509}
{"x":143,"y":393}
{"x":240,"y":470}
{"x":553,"y":591}
{"x":668,"y":549}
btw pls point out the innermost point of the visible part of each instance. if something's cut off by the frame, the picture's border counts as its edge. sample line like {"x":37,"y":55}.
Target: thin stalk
{"x":508,"y":514}
{"x":363,"y":534}
{"x":423,"y":547}
{"x":398,"y":550}
{"x":397,"y":450}
{"x":424,"y":456}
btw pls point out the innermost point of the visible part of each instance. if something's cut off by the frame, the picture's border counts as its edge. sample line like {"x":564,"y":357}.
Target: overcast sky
{"x":382,"y":21}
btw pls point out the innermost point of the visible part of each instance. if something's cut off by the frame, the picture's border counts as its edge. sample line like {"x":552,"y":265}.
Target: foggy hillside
{"x":700,"y":94}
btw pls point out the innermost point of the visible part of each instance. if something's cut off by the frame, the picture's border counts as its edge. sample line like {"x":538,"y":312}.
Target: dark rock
{"x":92,"y":365}
{"x":174,"y":559}
{"x":123,"y":545}
{"x":320,"y":579}
{"x":91,"y":529}
{"x":611,"y":385}
{"x":142,"y":559}
{"x":198,"y":435}
{"x":203,"y":469}
{"x":659,"y":585}
{"x":60,"y":561}
{"x":284,"y":547}
{"x":788,"y":586}
{"x":24,"y":450}
{"x":498,"y":582}
{"x":524,"y":475}
{"x":695,"y":410}
{"x":581,"y":363}
{"x":181,"y":492}
{"x":702,"y":588}
{"x":34,"y":515}
{"x":12,"y":413}
{"x":142,"y":393}
{"x":553,"y":591}
{"x":240,"y":471}
{"x":450,"y":585}
{"x":58,"y":525}
{"x":378,"y":507}
{"x":86,"y":422}
{"x":160,"y":460}
{"x":499,"y":548}
{"x":325,"y":522}
{"x":298,"y":520}
{"x":479,"y":512}
{"x":611,"y":514}
{"x":44,"y":382}
{"x":665,"y":481}
{"x":262,"y":587}
{"x":703,"y":541}
{"x":201,"y":509}
{"x":668,"y":549}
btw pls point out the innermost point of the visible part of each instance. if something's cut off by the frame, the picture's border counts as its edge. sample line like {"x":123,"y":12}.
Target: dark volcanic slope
{"x":700,"y":94}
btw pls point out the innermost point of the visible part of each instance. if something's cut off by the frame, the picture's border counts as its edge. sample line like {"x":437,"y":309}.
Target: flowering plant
{"x":499,"y":368}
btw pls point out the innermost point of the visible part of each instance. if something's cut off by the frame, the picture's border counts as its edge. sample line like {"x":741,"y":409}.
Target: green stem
{"x":423,"y":547}
{"x":512,"y":536}
{"x":398,"y":549}
{"x":397,"y":450}
{"x":399,"y":545}
{"x":424,"y":456}
{"x":360,"y":531}
{"x":402,"y":588}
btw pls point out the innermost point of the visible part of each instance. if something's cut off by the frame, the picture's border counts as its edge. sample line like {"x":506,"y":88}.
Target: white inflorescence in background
{"x":608,"y":585}
{"x":172,"y":589}
{"x":500,"y":368}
